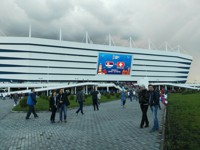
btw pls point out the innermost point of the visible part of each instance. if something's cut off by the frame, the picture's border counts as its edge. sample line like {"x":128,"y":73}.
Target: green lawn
{"x":183,"y":122}
{"x":43,"y":103}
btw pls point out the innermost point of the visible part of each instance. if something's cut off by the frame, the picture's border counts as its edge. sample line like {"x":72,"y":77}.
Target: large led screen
{"x":109,"y":63}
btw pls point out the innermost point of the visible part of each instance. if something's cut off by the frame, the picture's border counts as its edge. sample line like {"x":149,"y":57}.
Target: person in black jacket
{"x":154,"y":105}
{"x":95,"y":99}
{"x":53,"y":106}
{"x":143,"y":96}
{"x":80,"y":100}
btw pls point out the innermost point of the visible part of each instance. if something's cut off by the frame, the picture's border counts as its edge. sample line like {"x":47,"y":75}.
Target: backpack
{"x":29,"y":100}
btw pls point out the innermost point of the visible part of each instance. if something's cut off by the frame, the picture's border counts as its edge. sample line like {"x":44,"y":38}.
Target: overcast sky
{"x":174,"y":21}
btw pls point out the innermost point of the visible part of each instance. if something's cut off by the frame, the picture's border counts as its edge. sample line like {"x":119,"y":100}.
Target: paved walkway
{"x":110,"y":128}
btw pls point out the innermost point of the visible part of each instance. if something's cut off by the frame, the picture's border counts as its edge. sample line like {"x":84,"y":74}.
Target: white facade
{"x":35,"y":59}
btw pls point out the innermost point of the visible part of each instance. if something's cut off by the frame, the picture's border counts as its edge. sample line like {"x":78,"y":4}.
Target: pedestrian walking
{"x":53,"y":106}
{"x":154,"y":105}
{"x":31,"y":102}
{"x":95,"y":99}
{"x":143,"y":97}
{"x":80,"y":100}
{"x":15,"y":98}
{"x":123,"y":97}
{"x":130,"y":95}
{"x":134,"y":95}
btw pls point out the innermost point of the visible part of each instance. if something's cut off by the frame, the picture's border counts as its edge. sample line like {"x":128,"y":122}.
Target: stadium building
{"x":25,"y":59}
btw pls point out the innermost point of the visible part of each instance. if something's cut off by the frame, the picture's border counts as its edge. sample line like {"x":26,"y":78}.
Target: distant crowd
{"x":147,"y":98}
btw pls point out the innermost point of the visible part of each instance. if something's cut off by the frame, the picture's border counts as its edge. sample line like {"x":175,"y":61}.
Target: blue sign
{"x":109,"y":63}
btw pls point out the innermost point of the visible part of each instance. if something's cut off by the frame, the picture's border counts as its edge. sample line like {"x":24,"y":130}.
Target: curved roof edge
{"x":60,"y":43}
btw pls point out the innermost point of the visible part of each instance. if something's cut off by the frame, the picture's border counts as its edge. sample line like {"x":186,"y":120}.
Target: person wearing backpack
{"x":144,"y":103}
{"x":31,"y":101}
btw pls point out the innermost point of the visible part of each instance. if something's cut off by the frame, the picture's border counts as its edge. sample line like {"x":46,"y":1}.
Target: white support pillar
{"x":8,"y":89}
{"x":107,"y":88}
{"x":72,"y":90}
{"x":165,"y":87}
{"x":159,"y":87}
{"x":172,"y":88}
{"x":75,"y":90}
{"x":27,"y":88}
{"x":86,"y":89}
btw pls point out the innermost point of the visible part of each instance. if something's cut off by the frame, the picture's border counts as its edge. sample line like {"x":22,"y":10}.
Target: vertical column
{"x":75,"y":90}
{"x":172,"y":88}
{"x":165,"y":87}
{"x":8,"y":89}
{"x":159,"y":87}
{"x":107,"y":88}
{"x":72,"y":90}
{"x":86,"y":90}
{"x":47,"y":92}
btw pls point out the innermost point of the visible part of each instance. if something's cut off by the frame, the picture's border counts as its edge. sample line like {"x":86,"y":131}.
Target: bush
{"x":44,"y":97}
{"x":43,"y":103}
{"x":86,"y":96}
{"x":23,"y":102}
{"x":107,"y":95}
{"x":71,"y":97}
{"x":118,"y":95}
{"x":112,"y":94}
{"x":189,"y":91}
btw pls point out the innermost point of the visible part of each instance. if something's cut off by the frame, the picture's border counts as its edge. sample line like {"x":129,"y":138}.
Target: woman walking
{"x":53,"y":106}
{"x":144,"y":103}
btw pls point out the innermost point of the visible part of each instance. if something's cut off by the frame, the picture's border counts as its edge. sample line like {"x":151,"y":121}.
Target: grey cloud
{"x":45,"y":10}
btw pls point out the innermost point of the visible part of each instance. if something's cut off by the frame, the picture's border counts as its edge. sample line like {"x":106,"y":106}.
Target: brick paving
{"x":110,"y":128}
